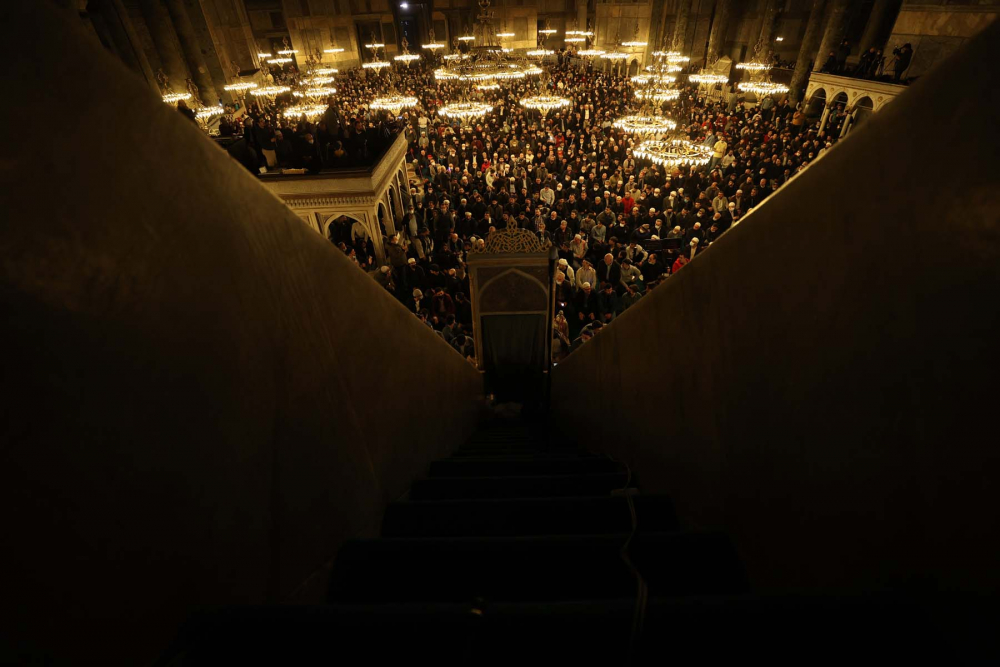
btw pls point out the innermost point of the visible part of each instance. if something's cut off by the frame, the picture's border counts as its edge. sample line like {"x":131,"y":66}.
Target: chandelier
{"x":334,"y":49}
{"x":279,"y":61}
{"x":663,"y":68}
{"x":573,"y":40}
{"x":533,"y":70}
{"x":760,"y":81}
{"x":263,"y":55}
{"x":375,"y":64}
{"x":635,"y":42}
{"x":645,"y":124}
{"x":307,"y":110}
{"x":648,"y":119}
{"x":490,"y":85}
{"x":753,"y":66}
{"x":658,"y":94}
{"x":240,"y":86}
{"x":174,"y":98}
{"x":288,"y":52}
{"x":205,"y":113}
{"x":763,"y":88}
{"x":538,"y":53}
{"x":322,"y":91}
{"x":467,"y":38}
{"x":406,"y":56}
{"x":664,"y":79}
{"x":590,"y":53}
{"x":324,"y":71}
{"x":673,"y":152}
{"x":465,"y":110}
{"x":431,"y":44}
{"x":709,"y":78}
{"x":486,"y":61}
{"x":316,"y":81}
{"x":545,"y":103}
{"x":614,"y":55}
{"x":760,"y":60}
{"x":269,"y":91}
{"x":394,"y":103}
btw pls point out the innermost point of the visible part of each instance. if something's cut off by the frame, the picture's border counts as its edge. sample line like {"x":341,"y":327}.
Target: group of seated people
{"x":618,"y":227}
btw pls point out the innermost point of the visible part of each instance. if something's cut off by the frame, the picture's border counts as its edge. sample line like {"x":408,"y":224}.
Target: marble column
{"x":113,"y":17}
{"x":836,"y":26}
{"x":883,"y":11}
{"x":769,"y":14}
{"x":808,"y":50}
{"x":161,"y":29}
{"x":720,"y":26}
{"x":679,"y":42}
{"x":192,"y":51}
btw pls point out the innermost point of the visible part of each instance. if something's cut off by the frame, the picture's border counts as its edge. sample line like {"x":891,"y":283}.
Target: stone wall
{"x":203,"y":398}
{"x":820,"y":383}
{"x":935,"y":30}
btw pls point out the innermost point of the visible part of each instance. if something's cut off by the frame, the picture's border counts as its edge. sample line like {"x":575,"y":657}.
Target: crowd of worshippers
{"x":872,"y":64}
{"x":618,"y":226}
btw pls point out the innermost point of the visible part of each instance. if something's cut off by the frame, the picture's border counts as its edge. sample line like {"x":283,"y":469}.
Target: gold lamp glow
{"x":394,"y":103}
{"x":671,"y":152}
{"x":307,"y":110}
{"x":241,"y":86}
{"x":708,"y":78}
{"x":174,"y":98}
{"x":465,"y":110}
{"x":545,"y":103}
{"x":763,"y":87}
{"x":645,"y":124}
{"x":269,"y":91}
{"x":205,"y":113}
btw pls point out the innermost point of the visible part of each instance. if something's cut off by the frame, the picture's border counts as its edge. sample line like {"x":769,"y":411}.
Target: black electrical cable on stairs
{"x":642,"y":590}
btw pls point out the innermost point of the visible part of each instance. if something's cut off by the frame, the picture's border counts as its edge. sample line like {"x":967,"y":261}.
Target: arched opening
{"x":838,"y":114}
{"x":814,"y":107}
{"x":381,"y":217}
{"x":633,"y":68}
{"x":392,"y":203}
{"x":863,"y":109}
{"x":337,"y":228}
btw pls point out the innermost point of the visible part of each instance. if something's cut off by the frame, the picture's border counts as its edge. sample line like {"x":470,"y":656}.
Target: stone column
{"x":679,"y":42}
{"x":192,"y":51}
{"x":114,"y":17}
{"x":836,"y":25}
{"x":824,"y":118}
{"x":769,"y":14}
{"x":882,"y":12}
{"x":808,"y":50}
{"x":161,"y":29}
{"x":720,"y":26}
{"x":581,"y":14}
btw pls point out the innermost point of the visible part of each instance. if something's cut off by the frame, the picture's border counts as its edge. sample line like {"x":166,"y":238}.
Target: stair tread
{"x":531,"y":567}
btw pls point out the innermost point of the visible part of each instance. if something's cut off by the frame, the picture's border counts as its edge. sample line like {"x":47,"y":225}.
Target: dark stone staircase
{"x":521,"y":547}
